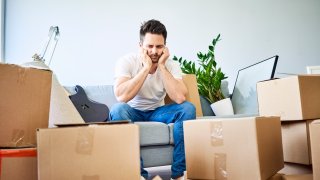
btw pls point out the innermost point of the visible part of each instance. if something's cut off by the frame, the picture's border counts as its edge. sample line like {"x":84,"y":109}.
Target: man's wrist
{"x":162,"y":67}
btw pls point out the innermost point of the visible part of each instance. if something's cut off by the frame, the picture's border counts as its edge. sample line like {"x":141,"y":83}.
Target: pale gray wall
{"x":95,"y":33}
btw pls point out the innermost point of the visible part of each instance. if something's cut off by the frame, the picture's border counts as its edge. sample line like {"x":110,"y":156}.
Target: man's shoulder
{"x":172,"y":63}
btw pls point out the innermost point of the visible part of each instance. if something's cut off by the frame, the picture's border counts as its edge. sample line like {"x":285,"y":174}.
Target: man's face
{"x":154,"y":44}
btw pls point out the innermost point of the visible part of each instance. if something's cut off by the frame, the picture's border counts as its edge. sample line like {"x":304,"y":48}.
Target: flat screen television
{"x":244,"y":96}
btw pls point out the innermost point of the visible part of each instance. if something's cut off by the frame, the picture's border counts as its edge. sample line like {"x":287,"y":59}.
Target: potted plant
{"x":209,"y":76}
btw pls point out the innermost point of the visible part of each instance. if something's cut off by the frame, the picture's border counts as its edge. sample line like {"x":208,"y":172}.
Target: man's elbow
{"x":181,"y":99}
{"x":122,"y":99}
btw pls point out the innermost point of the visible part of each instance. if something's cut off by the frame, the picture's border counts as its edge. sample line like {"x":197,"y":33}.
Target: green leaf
{"x":211,"y":48}
{"x":208,"y":76}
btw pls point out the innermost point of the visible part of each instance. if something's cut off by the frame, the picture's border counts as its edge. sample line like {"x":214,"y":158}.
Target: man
{"x":143,"y":80}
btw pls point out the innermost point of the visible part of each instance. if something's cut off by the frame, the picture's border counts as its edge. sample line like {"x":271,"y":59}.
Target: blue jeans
{"x":171,"y":113}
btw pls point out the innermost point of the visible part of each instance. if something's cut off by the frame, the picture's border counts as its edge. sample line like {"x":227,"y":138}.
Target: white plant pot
{"x":222,"y":107}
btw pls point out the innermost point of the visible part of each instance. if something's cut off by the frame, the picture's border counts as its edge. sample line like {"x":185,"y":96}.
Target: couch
{"x":156,"y":139}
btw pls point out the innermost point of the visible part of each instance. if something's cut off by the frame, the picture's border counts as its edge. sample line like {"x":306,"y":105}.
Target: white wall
{"x":95,"y":33}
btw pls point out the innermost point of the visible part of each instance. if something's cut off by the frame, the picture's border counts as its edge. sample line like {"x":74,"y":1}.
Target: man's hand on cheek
{"x":146,"y":60}
{"x":164,"y":57}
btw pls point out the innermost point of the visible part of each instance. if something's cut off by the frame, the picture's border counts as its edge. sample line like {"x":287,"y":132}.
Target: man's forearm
{"x":125,"y":90}
{"x":176,"y":89}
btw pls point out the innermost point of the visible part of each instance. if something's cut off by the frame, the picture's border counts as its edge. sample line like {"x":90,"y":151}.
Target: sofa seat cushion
{"x":156,"y":155}
{"x":153,"y":133}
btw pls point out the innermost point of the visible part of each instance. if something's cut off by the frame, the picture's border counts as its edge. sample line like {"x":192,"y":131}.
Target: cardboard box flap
{"x":94,"y":123}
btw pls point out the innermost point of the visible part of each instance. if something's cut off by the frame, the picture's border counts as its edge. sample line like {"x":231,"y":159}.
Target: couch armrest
{"x":193,"y":95}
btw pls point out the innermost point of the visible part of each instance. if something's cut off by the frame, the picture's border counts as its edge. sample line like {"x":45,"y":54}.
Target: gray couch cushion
{"x":156,"y":155}
{"x":153,"y":133}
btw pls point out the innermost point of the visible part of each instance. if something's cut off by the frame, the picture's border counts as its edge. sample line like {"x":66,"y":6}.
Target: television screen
{"x":244,"y":96}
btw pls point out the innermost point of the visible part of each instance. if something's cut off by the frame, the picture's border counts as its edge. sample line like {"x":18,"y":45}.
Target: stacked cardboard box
{"x":296,"y":100}
{"x":24,"y":104}
{"x":89,"y":152}
{"x":233,"y":148}
{"x":24,"y":107}
{"x":18,"y":164}
{"x":315,"y":148}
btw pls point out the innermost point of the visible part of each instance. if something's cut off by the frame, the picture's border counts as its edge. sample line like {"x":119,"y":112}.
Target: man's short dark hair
{"x":154,"y":27}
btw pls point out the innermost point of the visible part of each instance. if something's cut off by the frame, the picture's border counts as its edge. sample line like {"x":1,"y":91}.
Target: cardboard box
{"x":296,"y":141}
{"x":292,"y":98}
{"x":315,"y":148}
{"x":18,"y":164}
{"x":294,"y":168}
{"x":233,"y":148}
{"x":89,"y":152}
{"x":193,"y":94}
{"x":62,"y":110}
{"x":24,"y":104}
{"x":298,"y":177}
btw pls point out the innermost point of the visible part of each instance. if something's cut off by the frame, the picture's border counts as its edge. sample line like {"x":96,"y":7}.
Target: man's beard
{"x":154,"y":58}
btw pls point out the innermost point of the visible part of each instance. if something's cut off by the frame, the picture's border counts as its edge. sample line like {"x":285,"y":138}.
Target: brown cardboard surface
{"x":315,"y":147}
{"x":294,"y":168}
{"x":18,"y":164}
{"x":298,"y":177}
{"x":193,"y":94}
{"x":24,"y":105}
{"x":233,"y":148}
{"x":292,"y":98}
{"x":296,"y":142}
{"x":62,"y":111}
{"x":276,"y":177}
{"x":95,"y":151}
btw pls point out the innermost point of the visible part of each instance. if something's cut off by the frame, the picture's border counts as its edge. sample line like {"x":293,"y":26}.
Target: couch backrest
{"x":105,"y":94}
{"x":98,"y":93}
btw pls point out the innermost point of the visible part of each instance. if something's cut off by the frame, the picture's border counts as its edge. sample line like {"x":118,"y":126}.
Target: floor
{"x":163,"y":171}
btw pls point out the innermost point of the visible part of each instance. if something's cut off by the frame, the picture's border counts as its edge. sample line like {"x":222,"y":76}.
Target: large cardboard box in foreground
{"x":18,"y":164}
{"x":233,"y":148}
{"x":24,"y":104}
{"x":89,"y":152}
{"x":296,"y":141}
{"x":292,"y":98}
{"x":315,"y":148}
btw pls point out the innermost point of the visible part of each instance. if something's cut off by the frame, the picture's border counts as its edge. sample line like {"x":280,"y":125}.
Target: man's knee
{"x":189,"y":109}
{"x":119,"y":106}
{"x":118,"y":109}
